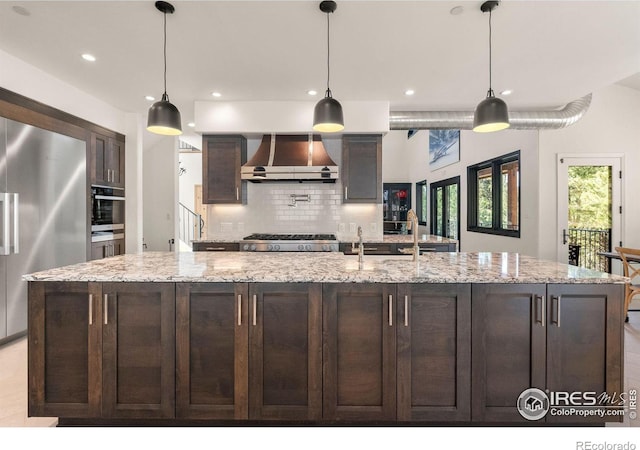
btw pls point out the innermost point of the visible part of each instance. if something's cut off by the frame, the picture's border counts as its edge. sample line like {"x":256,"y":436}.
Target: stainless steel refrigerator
{"x":43,"y":212}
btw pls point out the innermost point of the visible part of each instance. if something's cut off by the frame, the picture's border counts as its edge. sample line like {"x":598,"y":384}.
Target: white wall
{"x":611,"y":125}
{"x":160,"y":194}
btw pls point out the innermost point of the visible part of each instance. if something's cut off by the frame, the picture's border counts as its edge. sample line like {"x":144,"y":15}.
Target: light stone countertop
{"x":323,"y":267}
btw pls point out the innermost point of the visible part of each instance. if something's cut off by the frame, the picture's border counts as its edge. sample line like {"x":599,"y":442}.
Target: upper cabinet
{"x":223,"y":156}
{"x":107,"y":161}
{"x":362,"y":169}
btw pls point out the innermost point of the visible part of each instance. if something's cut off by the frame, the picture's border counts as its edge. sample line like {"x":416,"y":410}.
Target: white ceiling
{"x":547,"y":52}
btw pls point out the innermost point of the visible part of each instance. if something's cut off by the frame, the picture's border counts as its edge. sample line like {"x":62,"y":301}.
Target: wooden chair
{"x":630,"y":271}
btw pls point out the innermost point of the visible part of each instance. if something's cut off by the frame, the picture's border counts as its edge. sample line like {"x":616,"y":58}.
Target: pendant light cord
{"x":328,"y":93}
{"x":490,"y":93}
{"x":165,"y":55}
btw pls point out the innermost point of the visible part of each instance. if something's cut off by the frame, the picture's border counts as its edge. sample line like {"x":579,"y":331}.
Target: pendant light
{"x":164,"y":117}
{"x":327,"y":115}
{"x":491,"y":113}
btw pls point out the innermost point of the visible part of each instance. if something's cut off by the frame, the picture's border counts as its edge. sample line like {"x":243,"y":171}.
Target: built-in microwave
{"x":107,"y":213}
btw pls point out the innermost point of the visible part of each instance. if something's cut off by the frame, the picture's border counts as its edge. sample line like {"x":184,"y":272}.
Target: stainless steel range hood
{"x":290,"y":158}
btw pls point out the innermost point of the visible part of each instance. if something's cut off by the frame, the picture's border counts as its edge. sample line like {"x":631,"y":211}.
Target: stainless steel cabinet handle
{"x":239,"y":309}
{"x":106,"y":309}
{"x":346,"y":192}
{"x":237,"y":193}
{"x":372,"y":249}
{"x":90,"y":309}
{"x":556,"y":300}
{"x":16,"y":223}
{"x":5,"y":249}
{"x":255,"y":308}
{"x":540,"y":300}
{"x":215,"y":249}
{"x":406,"y":310}
{"x":390,"y":310}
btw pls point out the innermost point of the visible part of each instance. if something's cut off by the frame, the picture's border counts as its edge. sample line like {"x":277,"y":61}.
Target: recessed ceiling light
{"x":20,"y":10}
{"x":149,"y":97}
{"x":456,"y":10}
{"x":88,"y":57}
{"x":409,"y":92}
{"x":216,"y":94}
{"x":312,"y":92}
{"x":506,"y":92}
{"x":191,"y":124}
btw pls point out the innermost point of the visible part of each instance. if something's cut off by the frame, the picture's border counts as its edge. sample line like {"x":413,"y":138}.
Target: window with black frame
{"x":445,"y":208}
{"x":494,"y":196}
{"x":421,"y":202}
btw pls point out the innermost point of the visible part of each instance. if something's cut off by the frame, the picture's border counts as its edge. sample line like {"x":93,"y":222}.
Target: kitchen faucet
{"x":412,"y":222}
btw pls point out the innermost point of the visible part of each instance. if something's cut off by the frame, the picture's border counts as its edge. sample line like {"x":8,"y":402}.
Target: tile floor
{"x":13,"y":379}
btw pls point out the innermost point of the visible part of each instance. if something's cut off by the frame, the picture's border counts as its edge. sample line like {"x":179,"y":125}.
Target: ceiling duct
{"x":463,"y":120}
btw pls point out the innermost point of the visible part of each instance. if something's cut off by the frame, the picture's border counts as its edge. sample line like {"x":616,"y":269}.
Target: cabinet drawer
{"x":216,"y":247}
{"x":424,"y":248}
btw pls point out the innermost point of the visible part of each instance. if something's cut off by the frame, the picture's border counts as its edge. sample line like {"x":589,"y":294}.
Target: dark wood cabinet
{"x":216,"y":246}
{"x":105,"y":249}
{"x":65,"y":348}
{"x":285,"y":351}
{"x":222,"y":158}
{"x":584,"y":352}
{"x":434,"y":352}
{"x":370,"y":248}
{"x":138,"y":350}
{"x":359,"y":352}
{"x":551,"y":337}
{"x":361,"y":170}
{"x":435,"y":247}
{"x":212,"y":332}
{"x":107,"y":161}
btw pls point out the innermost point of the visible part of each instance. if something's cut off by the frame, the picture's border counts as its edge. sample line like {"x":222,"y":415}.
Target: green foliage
{"x":590,"y":197}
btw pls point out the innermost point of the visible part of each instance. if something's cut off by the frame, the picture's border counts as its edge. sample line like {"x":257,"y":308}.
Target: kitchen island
{"x":203,"y":337}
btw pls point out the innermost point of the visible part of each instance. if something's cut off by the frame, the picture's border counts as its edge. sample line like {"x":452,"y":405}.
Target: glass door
{"x":445,"y":210}
{"x":396,"y":203}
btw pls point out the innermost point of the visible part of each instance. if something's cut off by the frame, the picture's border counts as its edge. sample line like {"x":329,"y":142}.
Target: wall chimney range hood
{"x":290,"y":158}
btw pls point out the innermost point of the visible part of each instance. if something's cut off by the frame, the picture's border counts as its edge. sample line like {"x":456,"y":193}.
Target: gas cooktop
{"x":268,"y":242}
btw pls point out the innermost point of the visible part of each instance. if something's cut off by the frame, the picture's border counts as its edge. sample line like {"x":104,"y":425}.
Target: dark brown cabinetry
{"x":383,"y":248}
{"x":138,"y":350}
{"x":359,"y":352}
{"x":104,"y":249}
{"x":361,"y":170}
{"x":249,"y":351}
{"x":555,"y":337}
{"x":285,"y":351}
{"x":434,"y":352}
{"x":107,"y":161}
{"x":216,"y":246}
{"x":429,"y":247}
{"x":212,"y":332}
{"x":65,"y":348}
{"x":222,"y":159}
{"x":101,"y":350}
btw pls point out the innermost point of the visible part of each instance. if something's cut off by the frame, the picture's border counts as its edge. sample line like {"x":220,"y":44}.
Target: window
{"x":421,"y":201}
{"x":494,"y":196}
{"x":445,"y":209}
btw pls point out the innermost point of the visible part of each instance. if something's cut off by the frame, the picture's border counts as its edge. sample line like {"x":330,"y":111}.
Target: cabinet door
{"x":359,"y":352}
{"x":99,"y":156}
{"x":115,"y":163}
{"x":508,"y":348}
{"x":362,"y":169}
{"x":212,"y":351}
{"x":285,"y":356}
{"x":434,"y":352}
{"x":118,"y":247}
{"x":222,"y":159}
{"x":65,"y":346}
{"x":99,"y":249}
{"x":138,"y":350}
{"x":584,"y":342}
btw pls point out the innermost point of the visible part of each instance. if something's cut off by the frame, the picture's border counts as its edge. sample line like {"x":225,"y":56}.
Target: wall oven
{"x":107,"y":213}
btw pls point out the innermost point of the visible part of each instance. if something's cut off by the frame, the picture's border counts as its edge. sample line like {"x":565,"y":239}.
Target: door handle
{"x":556,"y":305}
{"x":255,"y":308}
{"x":390,"y":310}
{"x":90,"y":309}
{"x":346,"y":192}
{"x":16,"y":223}
{"x":237,"y":193}
{"x":239,"y":309}
{"x":540,"y":300}
{"x":565,"y":236}
{"x":406,"y":310}
{"x":106,"y":309}
{"x":4,"y":198}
